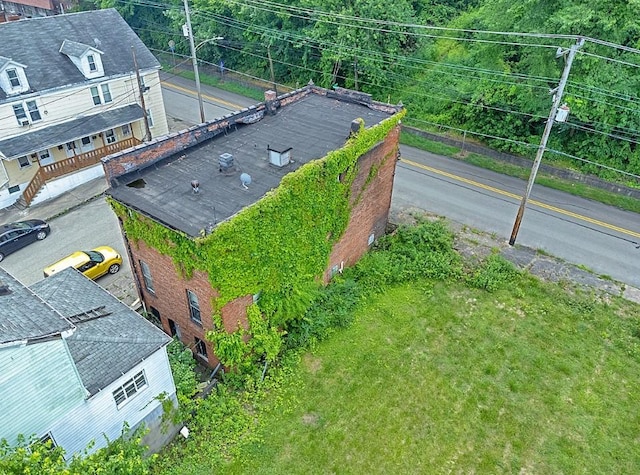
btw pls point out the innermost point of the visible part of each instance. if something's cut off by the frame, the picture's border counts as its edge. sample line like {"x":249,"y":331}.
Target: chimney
{"x":355,"y":127}
{"x":270,"y":101}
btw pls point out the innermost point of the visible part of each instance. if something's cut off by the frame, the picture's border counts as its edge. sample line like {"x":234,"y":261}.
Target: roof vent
{"x":245,"y":179}
{"x":225,"y":161}
{"x":4,"y":289}
{"x":279,"y":156}
{"x":195,"y":186}
{"x":97,"y":42}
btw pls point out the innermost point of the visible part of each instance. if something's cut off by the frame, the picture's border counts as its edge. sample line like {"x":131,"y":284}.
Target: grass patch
{"x":577,"y":189}
{"x":422,"y":364}
{"x":439,"y":377}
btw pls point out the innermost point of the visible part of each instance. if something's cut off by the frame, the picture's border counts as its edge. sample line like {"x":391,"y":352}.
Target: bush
{"x":493,"y":274}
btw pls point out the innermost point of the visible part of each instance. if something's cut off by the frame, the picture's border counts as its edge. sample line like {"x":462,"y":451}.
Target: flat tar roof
{"x":311,"y":127}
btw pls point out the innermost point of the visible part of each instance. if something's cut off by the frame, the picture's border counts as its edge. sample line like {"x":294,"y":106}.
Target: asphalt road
{"x":181,"y":102}
{"x":90,"y":225}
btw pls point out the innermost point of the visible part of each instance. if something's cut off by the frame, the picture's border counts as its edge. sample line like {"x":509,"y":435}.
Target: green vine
{"x":280,"y":243}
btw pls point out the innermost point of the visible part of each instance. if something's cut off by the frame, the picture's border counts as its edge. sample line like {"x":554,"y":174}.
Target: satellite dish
{"x":245,"y":179}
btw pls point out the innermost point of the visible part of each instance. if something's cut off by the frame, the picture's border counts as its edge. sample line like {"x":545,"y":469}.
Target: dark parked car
{"x":14,"y":236}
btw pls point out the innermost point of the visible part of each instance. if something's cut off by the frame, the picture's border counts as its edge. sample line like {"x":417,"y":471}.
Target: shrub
{"x":493,"y":273}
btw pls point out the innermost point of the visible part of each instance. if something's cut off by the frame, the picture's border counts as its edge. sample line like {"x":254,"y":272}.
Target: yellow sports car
{"x":95,"y":263}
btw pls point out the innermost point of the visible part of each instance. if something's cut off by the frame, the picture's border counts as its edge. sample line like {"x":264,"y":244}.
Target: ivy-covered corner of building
{"x":280,"y":243}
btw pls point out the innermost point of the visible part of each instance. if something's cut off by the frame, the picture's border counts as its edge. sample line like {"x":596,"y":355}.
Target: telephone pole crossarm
{"x":545,"y":136}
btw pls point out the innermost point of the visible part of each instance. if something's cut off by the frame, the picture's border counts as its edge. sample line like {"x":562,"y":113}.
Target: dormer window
{"x":14,"y":80}
{"x":92,"y":63}
{"x":86,"y":58}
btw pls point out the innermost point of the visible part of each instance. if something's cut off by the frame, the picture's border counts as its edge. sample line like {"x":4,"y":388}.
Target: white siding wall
{"x":153,"y":101}
{"x":38,"y":385}
{"x":66,"y":104}
{"x":100,"y":415}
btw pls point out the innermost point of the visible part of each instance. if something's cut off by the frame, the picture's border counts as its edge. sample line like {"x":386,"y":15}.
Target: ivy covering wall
{"x":281,"y":243}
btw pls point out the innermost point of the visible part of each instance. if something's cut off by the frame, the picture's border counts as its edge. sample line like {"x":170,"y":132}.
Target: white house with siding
{"x":69,"y":95}
{"x":76,"y":363}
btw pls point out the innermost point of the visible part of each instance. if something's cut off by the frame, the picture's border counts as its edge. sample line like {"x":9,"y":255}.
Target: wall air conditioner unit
{"x":24,"y":123}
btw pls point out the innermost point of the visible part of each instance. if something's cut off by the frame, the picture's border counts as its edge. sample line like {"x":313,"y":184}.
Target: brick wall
{"x":169,"y":299}
{"x":372,"y":198}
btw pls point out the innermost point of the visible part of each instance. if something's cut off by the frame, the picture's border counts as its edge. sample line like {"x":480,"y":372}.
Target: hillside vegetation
{"x":464,"y":78}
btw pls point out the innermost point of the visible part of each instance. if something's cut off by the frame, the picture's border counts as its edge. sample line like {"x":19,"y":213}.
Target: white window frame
{"x":110,"y":136}
{"x":93,"y":67}
{"x":33,"y":111}
{"x":150,"y":118}
{"x":101,"y":94}
{"x":198,"y":343}
{"x":15,"y":78}
{"x":146,"y":276}
{"x":25,"y":164}
{"x":123,"y":394}
{"x":194,"y":307}
{"x":126,"y":130}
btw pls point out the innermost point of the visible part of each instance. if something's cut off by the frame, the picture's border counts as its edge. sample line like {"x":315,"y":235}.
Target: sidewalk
{"x":56,"y":206}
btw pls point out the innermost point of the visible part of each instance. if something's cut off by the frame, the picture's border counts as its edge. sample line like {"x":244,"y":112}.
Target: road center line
{"x":519,"y":197}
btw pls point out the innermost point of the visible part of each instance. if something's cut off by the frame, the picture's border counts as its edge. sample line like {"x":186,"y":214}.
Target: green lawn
{"x":441,"y":378}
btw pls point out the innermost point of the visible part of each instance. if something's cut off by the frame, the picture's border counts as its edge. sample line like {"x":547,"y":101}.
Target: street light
{"x":194,"y":59}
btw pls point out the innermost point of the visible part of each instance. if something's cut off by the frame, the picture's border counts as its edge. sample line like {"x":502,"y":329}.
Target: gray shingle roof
{"x":73,"y":48}
{"x":36,"y":43}
{"x":69,"y":131}
{"x":106,"y":347}
{"x":24,"y":316}
{"x":311,"y":126}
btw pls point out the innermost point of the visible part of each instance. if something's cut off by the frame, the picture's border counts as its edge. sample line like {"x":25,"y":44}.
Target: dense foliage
{"x":494,"y":88}
{"x":123,"y":456}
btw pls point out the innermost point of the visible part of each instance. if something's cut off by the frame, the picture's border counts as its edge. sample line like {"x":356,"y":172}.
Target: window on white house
{"x":24,"y":162}
{"x":14,"y":80}
{"x":44,"y":155}
{"x":92,"y":63}
{"x":146,"y":276}
{"x":126,"y":129}
{"x":110,"y":136}
{"x":34,"y":113}
{"x":201,"y":348}
{"x":194,"y":307}
{"x":21,"y":115}
{"x":149,"y":118}
{"x":95,"y":94}
{"x":129,"y":389}
{"x":48,"y":441}
{"x":106,"y":93}
{"x":101,"y":95}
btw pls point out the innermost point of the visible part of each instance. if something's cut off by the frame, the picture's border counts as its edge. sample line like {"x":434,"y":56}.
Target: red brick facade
{"x":169,"y":302}
{"x":371,"y":193}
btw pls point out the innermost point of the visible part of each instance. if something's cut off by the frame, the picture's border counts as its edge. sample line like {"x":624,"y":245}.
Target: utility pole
{"x":147,"y":132}
{"x":194,"y":60}
{"x":355,"y":71}
{"x":545,"y":135}
{"x":273,"y":78}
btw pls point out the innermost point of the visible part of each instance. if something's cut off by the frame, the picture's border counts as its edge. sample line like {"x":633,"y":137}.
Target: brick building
{"x":190,"y":184}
